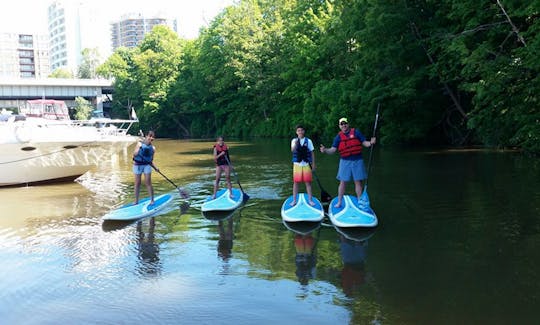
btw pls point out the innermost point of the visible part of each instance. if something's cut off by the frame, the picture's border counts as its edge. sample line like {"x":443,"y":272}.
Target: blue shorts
{"x":142,"y":169}
{"x":351,"y":170}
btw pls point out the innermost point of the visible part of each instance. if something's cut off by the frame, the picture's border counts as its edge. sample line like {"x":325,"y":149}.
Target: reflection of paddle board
{"x":142,"y":209}
{"x":302,"y":227}
{"x":302,"y":211}
{"x":217,"y":215}
{"x":356,"y":233}
{"x":350,"y":214}
{"x":223,"y":201}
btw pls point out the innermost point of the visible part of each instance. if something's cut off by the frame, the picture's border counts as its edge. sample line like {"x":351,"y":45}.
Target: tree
{"x":83,"y":109}
{"x":61,"y":73}
{"x":89,"y":64}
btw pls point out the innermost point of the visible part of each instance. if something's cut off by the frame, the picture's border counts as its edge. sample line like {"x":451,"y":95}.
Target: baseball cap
{"x":343,"y":119}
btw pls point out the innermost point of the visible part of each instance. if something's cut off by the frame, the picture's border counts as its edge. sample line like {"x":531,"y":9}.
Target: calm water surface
{"x":458,"y":243}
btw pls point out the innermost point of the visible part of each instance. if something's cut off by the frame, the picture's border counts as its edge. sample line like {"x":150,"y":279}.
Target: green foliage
{"x":443,"y":72}
{"x":83,"y":109}
{"x":61,"y":73}
{"x":89,"y":64}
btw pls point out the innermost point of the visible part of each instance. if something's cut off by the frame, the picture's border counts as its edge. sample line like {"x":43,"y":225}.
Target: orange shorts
{"x":301,"y":173}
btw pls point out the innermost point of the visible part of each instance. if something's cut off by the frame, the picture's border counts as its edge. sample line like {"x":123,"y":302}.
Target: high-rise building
{"x":24,"y":56}
{"x":130,"y":30}
{"x":73,"y":27}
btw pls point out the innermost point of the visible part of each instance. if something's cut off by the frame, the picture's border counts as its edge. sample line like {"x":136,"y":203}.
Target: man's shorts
{"x":301,"y":173}
{"x":142,"y":169}
{"x":351,"y":170}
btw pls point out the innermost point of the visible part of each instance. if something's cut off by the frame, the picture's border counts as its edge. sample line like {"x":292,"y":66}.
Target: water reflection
{"x":148,"y":249}
{"x":353,"y":256}
{"x":226,"y":235}
{"x":353,"y":243}
{"x":225,"y":221}
{"x":305,"y":245}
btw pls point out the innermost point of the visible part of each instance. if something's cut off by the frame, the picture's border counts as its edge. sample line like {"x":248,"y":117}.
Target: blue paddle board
{"x":142,"y":209}
{"x":223,"y":201}
{"x":302,"y":211}
{"x":351,"y":213}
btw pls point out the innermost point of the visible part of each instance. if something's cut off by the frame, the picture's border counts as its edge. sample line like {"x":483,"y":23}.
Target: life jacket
{"x":145,"y":156}
{"x":302,"y":153}
{"x":219,"y":149}
{"x":349,"y":144}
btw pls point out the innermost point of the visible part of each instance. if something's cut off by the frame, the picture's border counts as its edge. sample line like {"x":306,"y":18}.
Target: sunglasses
{"x":343,"y":123}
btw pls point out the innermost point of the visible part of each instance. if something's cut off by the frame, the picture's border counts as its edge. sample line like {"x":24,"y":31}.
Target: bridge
{"x":15,"y":92}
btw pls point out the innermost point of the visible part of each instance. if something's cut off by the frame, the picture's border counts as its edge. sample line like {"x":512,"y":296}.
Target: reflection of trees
{"x":148,"y":250}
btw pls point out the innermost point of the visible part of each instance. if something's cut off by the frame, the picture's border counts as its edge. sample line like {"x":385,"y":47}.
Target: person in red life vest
{"x":143,"y":157}
{"x":349,"y":142}
{"x":303,"y":161}
{"x":221,"y":157}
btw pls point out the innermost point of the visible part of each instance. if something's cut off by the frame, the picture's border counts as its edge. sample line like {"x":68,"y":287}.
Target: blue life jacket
{"x":302,"y":153}
{"x":145,"y":156}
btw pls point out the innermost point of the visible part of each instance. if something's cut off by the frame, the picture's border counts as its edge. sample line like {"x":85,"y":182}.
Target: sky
{"x":30,"y":16}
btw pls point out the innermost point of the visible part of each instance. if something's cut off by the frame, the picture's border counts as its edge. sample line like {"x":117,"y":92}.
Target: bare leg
{"x":294,"y":193}
{"x":137,"y":185}
{"x":228,"y":179}
{"x":358,"y":188}
{"x":341,"y":192}
{"x":149,"y":187}
{"x":216,"y":182}
{"x":310,"y":193}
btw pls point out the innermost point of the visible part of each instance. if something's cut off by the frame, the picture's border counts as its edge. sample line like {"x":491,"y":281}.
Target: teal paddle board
{"x":223,"y":201}
{"x":302,"y":211}
{"x":141,"y":210}
{"x":351,"y":213}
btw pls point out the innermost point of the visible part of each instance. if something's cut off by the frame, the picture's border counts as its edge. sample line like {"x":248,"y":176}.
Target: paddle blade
{"x":245,"y":197}
{"x":183,"y":193}
{"x":325,"y":197}
{"x":363,"y":203}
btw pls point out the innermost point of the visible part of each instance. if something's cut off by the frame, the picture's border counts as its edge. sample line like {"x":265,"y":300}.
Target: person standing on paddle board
{"x":303,"y":161}
{"x":222,"y":159}
{"x":143,"y":157}
{"x":349,"y":142}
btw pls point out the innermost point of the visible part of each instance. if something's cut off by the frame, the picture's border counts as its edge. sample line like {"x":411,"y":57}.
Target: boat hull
{"x":32,"y":153}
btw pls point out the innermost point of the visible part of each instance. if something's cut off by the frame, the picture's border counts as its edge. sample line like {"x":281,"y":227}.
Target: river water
{"x":457,"y":243}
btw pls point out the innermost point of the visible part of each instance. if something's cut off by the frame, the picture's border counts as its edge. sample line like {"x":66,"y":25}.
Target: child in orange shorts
{"x":303,"y":163}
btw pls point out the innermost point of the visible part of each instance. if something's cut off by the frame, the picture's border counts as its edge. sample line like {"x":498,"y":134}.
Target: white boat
{"x":42,"y":143}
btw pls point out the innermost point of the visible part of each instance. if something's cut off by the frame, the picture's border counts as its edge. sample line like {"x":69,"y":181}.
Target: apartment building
{"x":24,"y":56}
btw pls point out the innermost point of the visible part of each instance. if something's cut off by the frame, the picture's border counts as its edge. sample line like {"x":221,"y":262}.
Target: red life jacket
{"x":349,"y":144}
{"x":219,"y":149}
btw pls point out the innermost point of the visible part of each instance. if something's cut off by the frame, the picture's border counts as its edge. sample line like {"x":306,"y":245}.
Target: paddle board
{"x":142,"y":209}
{"x":302,"y":211}
{"x":351,"y":214}
{"x":223,"y":201}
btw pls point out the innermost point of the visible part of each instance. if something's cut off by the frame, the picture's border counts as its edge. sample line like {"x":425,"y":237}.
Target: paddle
{"x":183,"y":193}
{"x":245,"y":196}
{"x":325,"y":197}
{"x":364,"y":198}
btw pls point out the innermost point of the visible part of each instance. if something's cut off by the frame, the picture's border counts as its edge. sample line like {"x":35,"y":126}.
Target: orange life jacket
{"x":349,"y":144}
{"x":219,"y":149}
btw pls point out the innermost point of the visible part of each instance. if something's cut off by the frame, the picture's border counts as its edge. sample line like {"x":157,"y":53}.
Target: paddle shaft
{"x":371,"y":147}
{"x":324,"y":195}
{"x":234,"y":173}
